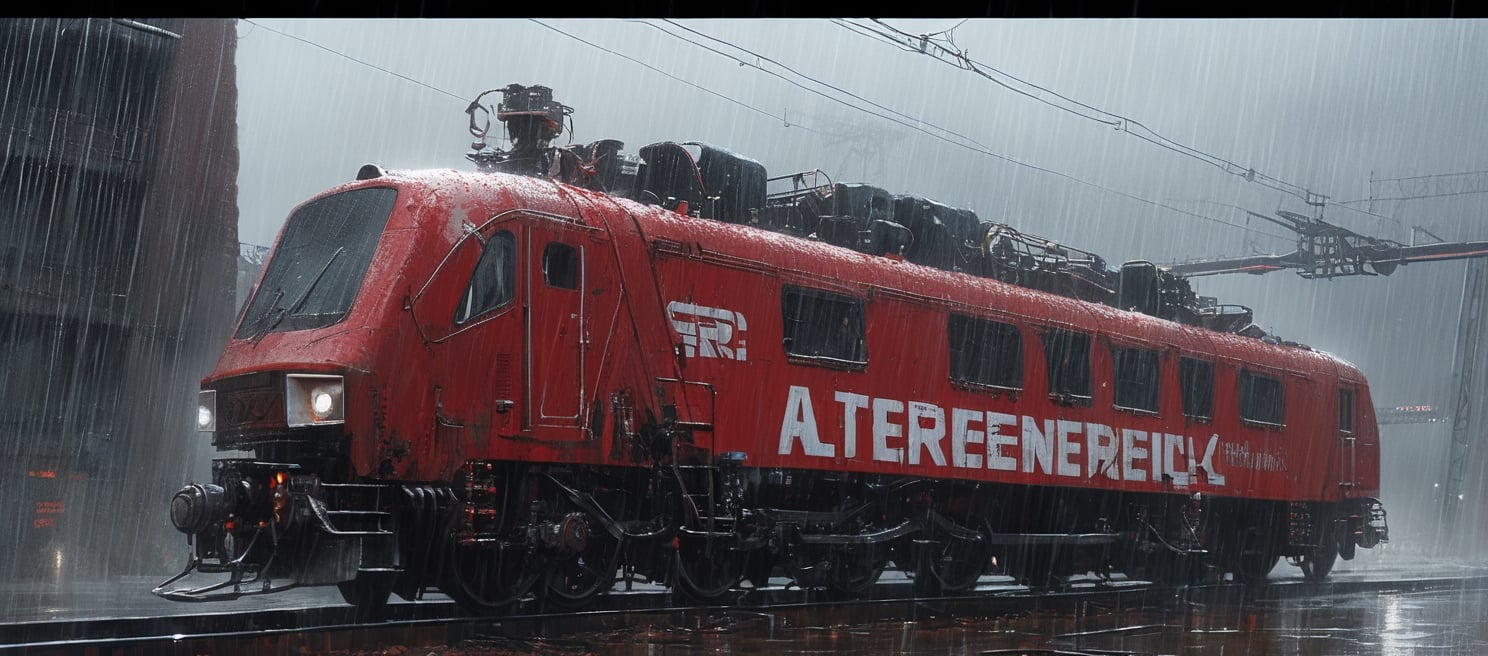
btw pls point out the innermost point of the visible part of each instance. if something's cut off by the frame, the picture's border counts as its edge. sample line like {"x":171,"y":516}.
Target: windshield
{"x":319,"y":263}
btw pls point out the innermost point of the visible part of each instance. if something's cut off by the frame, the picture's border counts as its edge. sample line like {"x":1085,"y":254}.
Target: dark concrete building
{"x":118,"y":248}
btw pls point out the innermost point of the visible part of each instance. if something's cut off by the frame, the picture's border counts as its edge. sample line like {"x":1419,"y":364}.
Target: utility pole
{"x":1466,"y":446}
{"x":1325,"y":250}
{"x":1427,"y":186}
{"x":1465,"y":430}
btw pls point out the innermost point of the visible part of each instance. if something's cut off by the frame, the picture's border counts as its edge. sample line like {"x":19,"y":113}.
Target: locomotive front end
{"x":290,"y":512}
{"x":289,"y":393}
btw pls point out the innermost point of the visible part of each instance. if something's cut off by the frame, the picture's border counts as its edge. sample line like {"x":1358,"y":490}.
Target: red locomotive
{"x":499,"y":382}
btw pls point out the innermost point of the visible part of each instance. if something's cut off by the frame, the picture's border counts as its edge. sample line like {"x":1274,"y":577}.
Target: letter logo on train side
{"x":920,"y":434}
{"x":709,"y":332}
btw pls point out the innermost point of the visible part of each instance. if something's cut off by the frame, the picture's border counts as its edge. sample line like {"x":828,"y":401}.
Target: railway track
{"x":650,"y":614}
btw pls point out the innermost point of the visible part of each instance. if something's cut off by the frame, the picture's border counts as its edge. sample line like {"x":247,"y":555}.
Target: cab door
{"x":557,"y":326}
{"x":1348,"y":458}
{"x":469,"y":318}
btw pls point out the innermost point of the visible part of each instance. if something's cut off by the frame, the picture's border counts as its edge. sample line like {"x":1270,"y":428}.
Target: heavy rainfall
{"x":149,"y":165}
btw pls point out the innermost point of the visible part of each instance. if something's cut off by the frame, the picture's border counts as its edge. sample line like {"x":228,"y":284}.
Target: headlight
{"x":206,"y":411}
{"x":313,"y":400}
{"x":321,"y":403}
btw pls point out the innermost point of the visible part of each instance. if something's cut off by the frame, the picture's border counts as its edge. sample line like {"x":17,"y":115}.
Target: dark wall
{"x":118,"y":211}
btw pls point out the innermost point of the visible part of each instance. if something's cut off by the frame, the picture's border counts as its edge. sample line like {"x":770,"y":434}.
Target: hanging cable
{"x":931,"y":46}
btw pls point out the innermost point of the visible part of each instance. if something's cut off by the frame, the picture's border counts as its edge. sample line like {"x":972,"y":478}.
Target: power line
{"x":354,"y":59}
{"x":1441,"y":195}
{"x":866,"y":31}
{"x":950,"y":29}
{"x":972,"y":146}
{"x":931,"y":46}
{"x":649,"y":67}
{"x":464,"y":99}
{"x":1343,"y":206}
{"x":1431,"y":176}
{"x":917,"y":123}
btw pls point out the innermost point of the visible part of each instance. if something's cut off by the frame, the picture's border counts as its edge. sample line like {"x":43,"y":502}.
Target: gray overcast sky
{"x":1318,"y":103}
{"x":1322,"y":104}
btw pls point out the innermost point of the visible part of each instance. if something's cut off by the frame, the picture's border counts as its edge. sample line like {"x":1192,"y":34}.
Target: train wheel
{"x":1253,"y":568}
{"x":368,"y":593}
{"x":1316,"y":566}
{"x":1318,"y":562}
{"x":1346,"y":546}
{"x":855,"y":570}
{"x":707,"y":569}
{"x":1254,"y":559}
{"x":808,"y":575}
{"x":574,"y":582}
{"x":760,"y":565}
{"x":952,"y":562}
{"x":486,"y":580}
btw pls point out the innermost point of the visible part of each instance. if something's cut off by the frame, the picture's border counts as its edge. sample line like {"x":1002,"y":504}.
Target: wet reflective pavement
{"x":1436,"y":622}
{"x":1419,"y":611}
{"x":130,"y":597}
{"x":1380,"y":604}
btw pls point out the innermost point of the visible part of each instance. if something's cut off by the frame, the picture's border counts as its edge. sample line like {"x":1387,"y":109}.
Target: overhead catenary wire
{"x":1419,"y":197}
{"x":1476,"y":182}
{"x":972,"y":146}
{"x":354,"y":59}
{"x":920,"y":125}
{"x":694,"y":85}
{"x":931,"y":46}
{"x":760,"y":57}
{"x":1115,"y":120}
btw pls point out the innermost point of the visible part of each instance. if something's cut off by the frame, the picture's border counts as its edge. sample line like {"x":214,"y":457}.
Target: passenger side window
{"x":1346,"y":411}
{"x":561,"y":266}
{"x":491,"y":284}
{"x":985,"y":352}
{"x":1067,"y":355}
{"x":1260,"y":398}
{"x":1196,"y":378}
{"x":820,"y":324}
{"x":1136,"y":378}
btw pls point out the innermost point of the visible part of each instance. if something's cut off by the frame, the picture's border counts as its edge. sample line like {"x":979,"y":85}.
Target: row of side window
{"x":826,"y":326}
{"x":995,"y":351}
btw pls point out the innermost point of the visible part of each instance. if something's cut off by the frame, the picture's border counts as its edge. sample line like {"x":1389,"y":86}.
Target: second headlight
{"x":314,"y":400}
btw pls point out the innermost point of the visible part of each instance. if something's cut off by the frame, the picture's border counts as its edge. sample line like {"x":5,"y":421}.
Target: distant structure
{"x":1410,"y":414}
{"x":118,"y":210}
{"x":251,"y":260}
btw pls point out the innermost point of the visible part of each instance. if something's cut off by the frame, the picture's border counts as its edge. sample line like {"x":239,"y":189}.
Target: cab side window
{"x":560,"y":266}
{"x":985,"y":352}
{"x":1260,"y":398}
{"x":1136,"y":378}
{"x":491,"y":284}
{"x":1067,"y":356}
{"x":1346,"y":411}
{"x":821,"y":324}
{"x":1196,"y":378}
